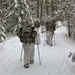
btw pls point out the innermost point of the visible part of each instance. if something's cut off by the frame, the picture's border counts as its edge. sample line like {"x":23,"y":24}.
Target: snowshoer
{"x":50,"y":28}
{"x":42,"y":26}
{"x":37,"y":23}
{"x":37,"y":26}
{"x":27,"y":36}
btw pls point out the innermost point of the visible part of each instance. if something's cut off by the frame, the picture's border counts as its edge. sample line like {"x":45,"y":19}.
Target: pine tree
{"x":17,"y":15}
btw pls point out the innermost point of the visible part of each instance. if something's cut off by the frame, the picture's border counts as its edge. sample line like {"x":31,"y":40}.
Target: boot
{"x":51,"y":45}
{"x":31,"y":61}
{"x":47,"y":42}
{"x":26,"y":65}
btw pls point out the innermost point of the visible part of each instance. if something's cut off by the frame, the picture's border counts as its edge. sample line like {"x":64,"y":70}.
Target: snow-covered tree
{"x":63,"y":10}
{"x":3,"y":6}
{"x":68,"y":7}
{"x":17,"y":15}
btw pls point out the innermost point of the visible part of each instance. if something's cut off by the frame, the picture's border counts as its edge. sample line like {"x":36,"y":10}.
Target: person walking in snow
{"x":37,"y":26}
{"x":50,"y":28}
{"x":42,"y":26}
{"x":28,"y":39}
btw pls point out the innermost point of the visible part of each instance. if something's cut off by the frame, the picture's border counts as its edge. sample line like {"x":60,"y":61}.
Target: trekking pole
{"x":44,"y":34}
{"x":44,"y":38}
{"x":21,"y":53}
{"x":38,"y":52}
{"x":54,"y":39}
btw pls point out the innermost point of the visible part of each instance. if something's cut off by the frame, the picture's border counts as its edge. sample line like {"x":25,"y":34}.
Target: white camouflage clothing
{"x":28,"y":52}
{"x":37,"y":40}
{"x":43,"y":29}
{"x":49,"y":38}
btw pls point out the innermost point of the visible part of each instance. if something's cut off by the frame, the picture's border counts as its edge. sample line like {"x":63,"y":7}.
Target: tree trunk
{"x":69,"y":29}
{"x":37,"y":8}
{"x":41,"y":10}
{"x":46,"y":2}
{"x":52,"y":8}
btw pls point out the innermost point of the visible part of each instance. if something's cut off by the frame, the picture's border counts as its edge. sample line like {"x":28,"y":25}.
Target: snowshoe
{"x":26,"y":65}
{"x":47,"y":42}
{"x":51,"y":45}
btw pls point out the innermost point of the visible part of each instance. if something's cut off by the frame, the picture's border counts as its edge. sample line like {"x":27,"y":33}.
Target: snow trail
{"x":54,"y":59}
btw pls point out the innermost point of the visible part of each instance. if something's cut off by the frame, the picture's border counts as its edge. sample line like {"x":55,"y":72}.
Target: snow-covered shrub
{"x":2,"y":34}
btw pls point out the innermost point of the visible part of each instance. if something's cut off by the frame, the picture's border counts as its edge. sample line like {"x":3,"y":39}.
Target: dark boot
{"x":47,"y":42}
{"x":31,"y":61}
{"x":26,"y":65}
{"x":51,"y":45}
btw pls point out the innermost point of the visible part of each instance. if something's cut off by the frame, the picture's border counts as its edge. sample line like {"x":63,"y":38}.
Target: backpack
{"x":26,"y":34}
{"x":50,"y":26}
{"x":19,"y":33}
{"x":26,"y":31}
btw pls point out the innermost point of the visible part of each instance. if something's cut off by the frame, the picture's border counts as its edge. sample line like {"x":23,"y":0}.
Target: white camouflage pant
{"x":43,"y":29}
{"x":49,"y":37}
{"x":28,"y":52}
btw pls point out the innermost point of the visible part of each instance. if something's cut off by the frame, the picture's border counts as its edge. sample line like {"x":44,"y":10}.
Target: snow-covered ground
{"x":54,"y":59}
